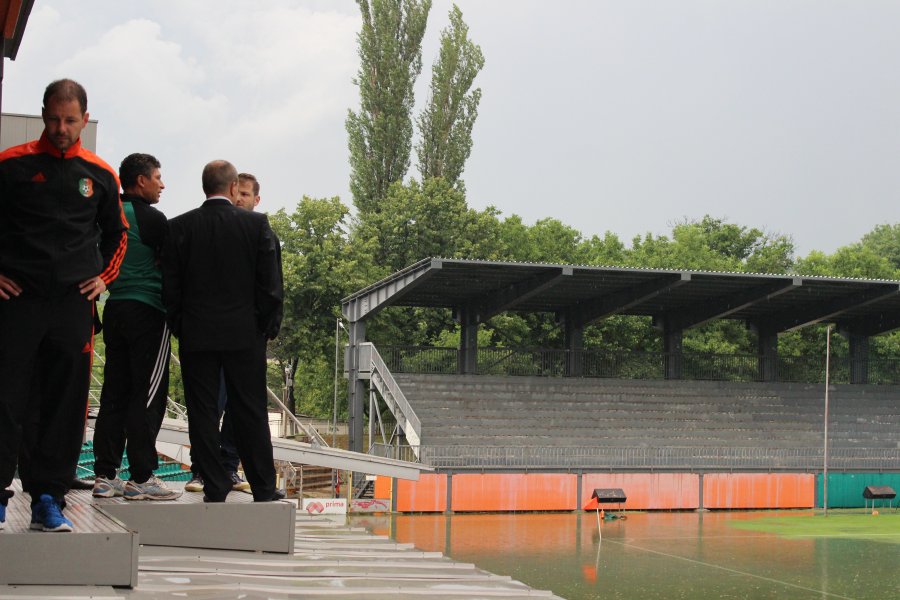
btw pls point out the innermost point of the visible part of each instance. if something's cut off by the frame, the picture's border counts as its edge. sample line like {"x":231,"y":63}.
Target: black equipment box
{"x":608,"y":495}
{"x":879,"y":492}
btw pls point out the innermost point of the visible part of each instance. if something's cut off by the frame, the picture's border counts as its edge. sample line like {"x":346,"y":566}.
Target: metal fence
{"x":670,"y":457}
{"x":640,"y":365}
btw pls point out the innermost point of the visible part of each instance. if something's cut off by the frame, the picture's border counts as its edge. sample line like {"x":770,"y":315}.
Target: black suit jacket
{"x":222,"y":284}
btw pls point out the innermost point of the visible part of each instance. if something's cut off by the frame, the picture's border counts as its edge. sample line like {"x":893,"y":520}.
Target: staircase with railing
{"x":383,"y":381}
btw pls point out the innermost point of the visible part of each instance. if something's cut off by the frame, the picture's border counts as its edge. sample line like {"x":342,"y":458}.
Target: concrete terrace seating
{"x":460,"y":410}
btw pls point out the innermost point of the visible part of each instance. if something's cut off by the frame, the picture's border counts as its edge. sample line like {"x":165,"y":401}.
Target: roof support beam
{"x":819,"y":312}
{"x":720,"y":308}
{"x":882,"y":322}
{"x":380,"y":295}
{"x":618,"y":302}
{"x":498,"y":301}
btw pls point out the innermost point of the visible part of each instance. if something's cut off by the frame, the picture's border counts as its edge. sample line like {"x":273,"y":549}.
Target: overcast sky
{"x":623,"y":116}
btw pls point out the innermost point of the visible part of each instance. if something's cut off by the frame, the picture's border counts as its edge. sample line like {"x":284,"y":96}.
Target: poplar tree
{"x":380,"y":134}
{"x":445,"y":125}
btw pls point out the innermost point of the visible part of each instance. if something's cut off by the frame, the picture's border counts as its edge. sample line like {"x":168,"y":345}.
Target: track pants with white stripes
{"x":135,"y":385}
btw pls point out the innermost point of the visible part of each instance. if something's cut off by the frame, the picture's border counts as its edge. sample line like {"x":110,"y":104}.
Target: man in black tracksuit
{"x":136,"y":373}
{"x":62,"y":239}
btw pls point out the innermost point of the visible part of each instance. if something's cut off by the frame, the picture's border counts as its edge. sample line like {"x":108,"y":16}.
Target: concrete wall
{"x":18,"y":129}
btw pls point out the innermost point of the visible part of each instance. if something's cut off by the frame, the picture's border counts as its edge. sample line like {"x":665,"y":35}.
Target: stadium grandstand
{"x":540,"y":429}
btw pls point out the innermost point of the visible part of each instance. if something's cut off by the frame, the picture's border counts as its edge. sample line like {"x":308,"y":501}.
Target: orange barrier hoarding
{"x":428,"y":494}
{"x":759,"y":490}
{"x":382,"y":488}
{"x":513,"y":492}
{"x":647,"y":491}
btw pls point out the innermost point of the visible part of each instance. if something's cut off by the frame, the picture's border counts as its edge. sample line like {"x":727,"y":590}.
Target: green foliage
{"x":445,"y":125}
{"x":856,"y":260}
{"x":719,"y":337}
{"x":430,"y":219}
{"x":623,"y":333}
{"x":713,"y":245}
{"x":884,"y":241}
{"x":548,"y":240}
{"x":314,"y":383}
{"x":321,"y":265}
{"x":606,"y":251}
{"x":380,"y":134}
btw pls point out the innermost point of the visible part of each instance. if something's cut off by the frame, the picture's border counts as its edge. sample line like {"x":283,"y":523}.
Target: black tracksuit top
{"x":61,"y":221}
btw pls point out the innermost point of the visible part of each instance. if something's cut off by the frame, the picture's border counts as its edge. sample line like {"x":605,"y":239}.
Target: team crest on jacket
{"x":86,"y":187}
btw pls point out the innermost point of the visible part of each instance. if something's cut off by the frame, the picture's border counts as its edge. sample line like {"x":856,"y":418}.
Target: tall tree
{"x":380,"y":134}
{"x":445,"y":125}
{"x":321,"y":265}
{"x":419,"y":220}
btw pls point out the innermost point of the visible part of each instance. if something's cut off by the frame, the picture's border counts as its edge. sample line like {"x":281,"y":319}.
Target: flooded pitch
{"x":659,"y":555}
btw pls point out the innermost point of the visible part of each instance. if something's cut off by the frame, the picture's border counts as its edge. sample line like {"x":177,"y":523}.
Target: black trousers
{"x":228,"y":450}
{"x":245,"y":383}
{"x":46,"y":347}
{"x":135,"y":385}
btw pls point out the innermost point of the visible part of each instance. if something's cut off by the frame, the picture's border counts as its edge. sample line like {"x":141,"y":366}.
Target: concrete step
{"x":101,"y":551}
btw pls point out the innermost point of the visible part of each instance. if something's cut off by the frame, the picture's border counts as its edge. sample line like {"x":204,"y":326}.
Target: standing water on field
{"x":664,"y":555}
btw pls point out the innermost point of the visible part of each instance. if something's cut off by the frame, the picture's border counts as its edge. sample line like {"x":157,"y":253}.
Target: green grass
{"x":851,"y":523}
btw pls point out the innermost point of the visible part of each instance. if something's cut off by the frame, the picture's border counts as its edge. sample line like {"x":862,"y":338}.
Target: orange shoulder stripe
{"x":25,"y":149}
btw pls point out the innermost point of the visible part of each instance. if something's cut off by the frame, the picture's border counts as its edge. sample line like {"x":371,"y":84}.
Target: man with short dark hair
{"x":136,"y":373}
{"x":248,"y":191}
{"x":223,"y":296}
{"x":62,"y":239}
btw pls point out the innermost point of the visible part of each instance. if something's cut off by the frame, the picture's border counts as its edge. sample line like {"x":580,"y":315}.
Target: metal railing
{"x":640,"y":365}
{"x":402,"y":452}
{"x":668,"y":457}
{"x":383,"y":381}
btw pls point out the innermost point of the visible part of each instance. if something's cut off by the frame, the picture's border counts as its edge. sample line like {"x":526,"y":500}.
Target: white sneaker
{"x":152,"y":489}
{"x":195,"y":484}
{"x":108,"y":488}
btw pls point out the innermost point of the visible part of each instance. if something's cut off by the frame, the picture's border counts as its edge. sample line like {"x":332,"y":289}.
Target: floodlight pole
{"x":337,"y":331}
{"x":825,"y":451}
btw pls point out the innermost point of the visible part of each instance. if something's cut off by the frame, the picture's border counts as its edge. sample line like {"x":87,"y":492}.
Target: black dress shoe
{"x":208,"y":499}
{"x":276,"y":495}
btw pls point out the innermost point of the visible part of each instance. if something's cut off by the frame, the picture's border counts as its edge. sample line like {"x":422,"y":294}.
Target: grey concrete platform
{"x":188,"y":522}
{"x":330,"y":560}
{"x":101,"y":551}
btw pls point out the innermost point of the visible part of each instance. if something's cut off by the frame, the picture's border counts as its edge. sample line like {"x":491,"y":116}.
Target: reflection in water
{"x":651,"y":555}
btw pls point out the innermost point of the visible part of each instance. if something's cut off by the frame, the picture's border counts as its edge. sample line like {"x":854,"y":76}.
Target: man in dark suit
{"x":223,"y":296}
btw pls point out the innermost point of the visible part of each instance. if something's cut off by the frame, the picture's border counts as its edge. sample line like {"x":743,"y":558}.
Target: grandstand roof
{"x":586,"y":294}
{"x":13,"y":19}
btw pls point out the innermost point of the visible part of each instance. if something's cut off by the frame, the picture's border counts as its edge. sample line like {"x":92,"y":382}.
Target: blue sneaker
{"x":46,"y":515}
{"x":2,"y":516}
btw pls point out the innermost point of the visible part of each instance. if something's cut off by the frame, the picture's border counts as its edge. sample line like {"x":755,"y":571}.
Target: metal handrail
{"x":310,"y":431}
{"x":400,"y":407}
